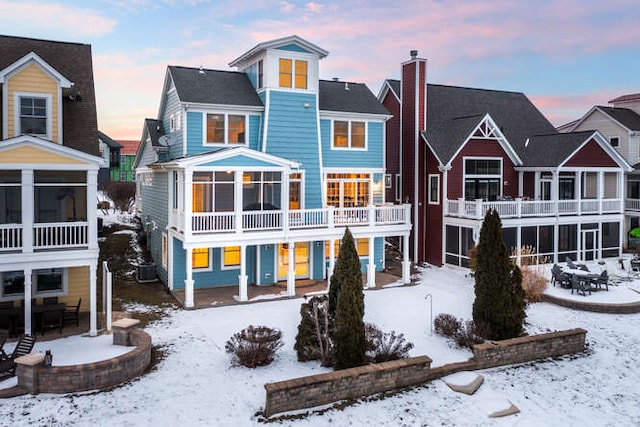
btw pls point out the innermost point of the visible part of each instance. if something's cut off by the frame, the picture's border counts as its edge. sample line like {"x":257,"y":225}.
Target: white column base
{"x":406,"y":272}
{"x":371,"y":276}
{"x":242,"y":282}
{"x":188,"y":293}
{"x":93,"y":299}
{"x":291,"y":271}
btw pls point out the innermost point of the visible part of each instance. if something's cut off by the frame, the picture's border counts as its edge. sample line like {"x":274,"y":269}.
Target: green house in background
{"x":125,"y":172}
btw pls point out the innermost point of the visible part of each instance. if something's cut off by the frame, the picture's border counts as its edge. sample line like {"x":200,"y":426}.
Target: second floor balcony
{"x":521,"y":208}
{"x":44,"y":236}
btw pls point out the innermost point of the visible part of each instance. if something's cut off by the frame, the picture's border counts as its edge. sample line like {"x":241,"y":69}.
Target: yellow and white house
{"x":48,"y":177}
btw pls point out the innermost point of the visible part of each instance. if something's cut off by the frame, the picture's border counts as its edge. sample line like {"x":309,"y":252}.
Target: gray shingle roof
{"x":395,"y":86}
{"x":214,"y":87}
{"x":154,"y":129}
{"x":551,"y":150}
{"x":349,"y":98}
{"x":628,"y":118}
{"x":107,"y":140}
{"x":453,"y":112}
{"x":73,"y":61}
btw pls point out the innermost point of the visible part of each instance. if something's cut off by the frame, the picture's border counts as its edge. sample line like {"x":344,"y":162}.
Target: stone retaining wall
{"x":314,"y":390}
{"x":34,"y":377}
{"x":321,"y":389}
{"x":626,"y":308}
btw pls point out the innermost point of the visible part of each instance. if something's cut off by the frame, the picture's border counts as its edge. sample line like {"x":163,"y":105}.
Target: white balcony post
{"x":28,"y":273}
{"x":518,"y":207}
{"x":291,"y":270}
{"x":28,"y":210}
{"x":93,"y":298}
{"x":600,"y":191}
{"x":555,"y":183}
{"x":188,"y":282}
{"x":371,"y":266}
{"x":371,"y":211}
{"x":479,"y":208}
{"x":242,"y":278}
{"x":237,"y":201}
{"x":536,"y":180}
{"x":620,"y":191}
{"x":407,"y":214}
{"x":331,"y":212}
{"x":406,"y":264}
{"x":188,"y":205}
{"x":92,"y":217}
{"x":578,"y":180}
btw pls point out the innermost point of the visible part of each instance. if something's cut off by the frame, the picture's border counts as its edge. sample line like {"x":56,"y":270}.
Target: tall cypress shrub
{"x":349,"y":341}
{"x":499,"y":306}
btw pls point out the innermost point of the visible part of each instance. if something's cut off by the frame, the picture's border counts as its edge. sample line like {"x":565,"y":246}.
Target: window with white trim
{"x":349,"y":134}
{"x":226,"y":129}
{"x":12,"y":283}
{"x":200,"y":259}
{"x":482,"y":178}
{"x":387,"y":180}
{"x":293,"y":73}
{"x":348,"y":190}
{"x":230,"y":257}
{"x":49,"y":280}
{"x":33,"y":114}
{"x":434,"y":189}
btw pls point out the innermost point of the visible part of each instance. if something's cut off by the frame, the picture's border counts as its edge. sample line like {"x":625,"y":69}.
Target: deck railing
{"x":10,"y":237}
{"x":60,"y":235}
{"x":330,"y":217}
{"x":519,"y":208}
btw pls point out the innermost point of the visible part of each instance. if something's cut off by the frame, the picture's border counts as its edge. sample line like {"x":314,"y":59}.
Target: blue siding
{"x":371,"y":158}
{"x":252,"y":72}
{"x":215,"y":277}
{"x":267,"y":264}
{"x":293,"y":48}
{"x":154,"y":210}
{"x":172,"y":106}
{"x":292,"y":133}
{"x":318,"y":260}
{"x":195,"y":136}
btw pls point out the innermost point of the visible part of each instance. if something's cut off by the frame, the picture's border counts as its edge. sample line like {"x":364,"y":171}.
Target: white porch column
{"x":27,"y":211}
{"x":92,"y":217}
{"x":237,"y":200}
{"x":406,"y":264}
{"x":188,"y":205}
{"x":93,"y":298}
{"x":242,"y":278}
{"x":555,"y":190}
{"x":536,"y":185}
{"x":445,"y":191}
{"x":28,"y":273}
{"x":578,"y":178}
{"x":188,"y":281}
{"x":621,"y":192}
{"x":291,"y":270}
{"x":371,"y":266}
{"x":600,"y":193}
{"x":520,"y":183}
{"x":556,"y":243}
{"x":332,"y":259}
{"x":170,"y":261}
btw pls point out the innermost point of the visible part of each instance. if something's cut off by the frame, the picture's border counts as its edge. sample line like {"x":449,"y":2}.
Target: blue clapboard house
{"x":251,"y":176}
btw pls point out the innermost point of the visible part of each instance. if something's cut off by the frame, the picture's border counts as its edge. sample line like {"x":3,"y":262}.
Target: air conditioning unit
{"x":146,"y":272}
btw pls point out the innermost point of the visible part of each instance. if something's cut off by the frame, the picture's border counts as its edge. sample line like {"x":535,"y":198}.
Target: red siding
{"x":591,"y":155}
{"x":528,"y":185}
{"x":431,"y":239}
{"x":408,"y":130}
{"x":482,"y":148}
{"x":392,"y":149}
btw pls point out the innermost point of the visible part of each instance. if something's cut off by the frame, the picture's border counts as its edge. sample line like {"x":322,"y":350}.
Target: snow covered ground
{"x":196,"y":386}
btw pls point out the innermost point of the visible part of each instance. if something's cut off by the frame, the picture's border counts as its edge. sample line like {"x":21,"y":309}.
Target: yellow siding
{"x":78,"y":287}
{"x":35,"y":155}
{"x":33,"y":79}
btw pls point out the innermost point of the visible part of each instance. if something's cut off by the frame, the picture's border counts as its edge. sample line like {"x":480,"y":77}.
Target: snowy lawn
{"x":195,"y":384}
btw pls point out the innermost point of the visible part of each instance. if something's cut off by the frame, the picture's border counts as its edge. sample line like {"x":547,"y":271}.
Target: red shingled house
{"x":465,"y":150}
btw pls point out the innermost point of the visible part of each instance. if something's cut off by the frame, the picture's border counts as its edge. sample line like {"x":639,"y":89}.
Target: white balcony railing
{"x":476,"y":209}
{"x":256,"y":221}
{"x":60,"y":235}
{"x":632,"y":205}
{"x":10,"y":237}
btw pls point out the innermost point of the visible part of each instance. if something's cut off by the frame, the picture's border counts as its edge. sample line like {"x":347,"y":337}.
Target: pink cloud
{"x":561,"y":109}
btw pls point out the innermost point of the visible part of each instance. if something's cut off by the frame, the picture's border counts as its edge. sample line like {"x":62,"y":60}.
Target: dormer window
{"x":33,"y":115}
{"x":226,"y":129}
{"x":288,"y":77}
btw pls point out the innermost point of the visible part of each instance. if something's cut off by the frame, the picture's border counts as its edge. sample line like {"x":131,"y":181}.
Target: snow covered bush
{"x":385,"y":346}
{"x":254,"y":346}
{"x":446,"y":324}
{"x":471,"y":334}
{"x":313,"y":341}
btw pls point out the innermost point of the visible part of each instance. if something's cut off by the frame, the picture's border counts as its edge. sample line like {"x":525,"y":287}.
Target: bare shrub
{"x":446,"y":324}
{"x":121,"y":193}
{"x":471,"y":334}
{"x":534,"y":281}
{"x":254,"y":346}
{"x":385,"y":346}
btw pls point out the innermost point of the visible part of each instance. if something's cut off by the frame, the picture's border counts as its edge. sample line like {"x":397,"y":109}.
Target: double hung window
{"x":33,"y":116}
{"x":293,"y":74}
{"x":226,"y":128}
{"x":349,"y":134}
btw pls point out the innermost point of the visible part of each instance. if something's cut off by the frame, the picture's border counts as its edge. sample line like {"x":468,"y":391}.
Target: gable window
{"x":290,"y":79}
{"x":614,"y":142}
{"x":349,"y":134}
{"x":434,"y":189}
{"x":34,"y":115}
{"x":200,"y":258}
{"x":482,"y":179}
{"x":226,"y":128}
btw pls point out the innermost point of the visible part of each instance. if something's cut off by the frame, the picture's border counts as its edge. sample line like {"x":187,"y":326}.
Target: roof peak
{"x":625,"y":98}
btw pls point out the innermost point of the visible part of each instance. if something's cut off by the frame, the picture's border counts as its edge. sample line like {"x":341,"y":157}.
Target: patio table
{"x":581,"y":273}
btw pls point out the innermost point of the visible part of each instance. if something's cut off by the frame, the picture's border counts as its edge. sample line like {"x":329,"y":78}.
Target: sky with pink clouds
{"x":565,"y":55}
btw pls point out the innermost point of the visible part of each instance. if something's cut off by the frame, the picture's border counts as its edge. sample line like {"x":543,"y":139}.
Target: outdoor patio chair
{"x":556,"y":270}
{"x":564,"y":280}
{"x":601,"y":280}
{"x":24,"y":346}
{"x":580,"y":285}
{"x":570,"y":264}
{"x":51,"y":320}
{"x":73,"y":314}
